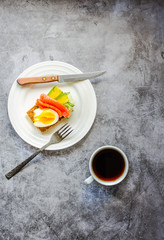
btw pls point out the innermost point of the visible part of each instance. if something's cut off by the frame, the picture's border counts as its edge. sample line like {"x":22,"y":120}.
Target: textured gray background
{"x":48,"y":200}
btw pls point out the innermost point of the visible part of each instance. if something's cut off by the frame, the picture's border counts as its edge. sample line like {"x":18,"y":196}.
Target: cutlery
{"x":60,"y":78}
{"x":56,"y":137}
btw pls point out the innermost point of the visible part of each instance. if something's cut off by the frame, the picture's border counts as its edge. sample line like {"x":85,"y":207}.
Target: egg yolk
{"x":45,"y":117}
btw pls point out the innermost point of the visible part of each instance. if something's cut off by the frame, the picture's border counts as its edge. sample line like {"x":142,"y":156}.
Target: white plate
{"x":22,"y":98}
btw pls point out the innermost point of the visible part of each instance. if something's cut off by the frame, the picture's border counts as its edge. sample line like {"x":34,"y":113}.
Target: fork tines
{"x":64,"y":131}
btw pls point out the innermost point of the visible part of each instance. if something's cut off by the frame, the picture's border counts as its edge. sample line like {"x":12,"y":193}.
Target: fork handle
{"x":21,"y":165}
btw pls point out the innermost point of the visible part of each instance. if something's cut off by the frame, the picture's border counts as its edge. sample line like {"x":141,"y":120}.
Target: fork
{"x":56,"y":137}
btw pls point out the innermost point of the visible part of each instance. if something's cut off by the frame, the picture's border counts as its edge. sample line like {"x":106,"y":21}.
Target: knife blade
{"x":60,"y":78}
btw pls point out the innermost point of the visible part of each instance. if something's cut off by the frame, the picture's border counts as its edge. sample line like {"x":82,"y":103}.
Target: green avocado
{"x":62,"y":98}
{"x":54,"y":92}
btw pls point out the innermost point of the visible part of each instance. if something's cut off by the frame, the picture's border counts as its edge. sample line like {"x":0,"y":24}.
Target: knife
{"x":59,"y":78}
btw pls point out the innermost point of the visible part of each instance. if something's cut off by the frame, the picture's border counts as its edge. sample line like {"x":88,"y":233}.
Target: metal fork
{"x":56,"y":137}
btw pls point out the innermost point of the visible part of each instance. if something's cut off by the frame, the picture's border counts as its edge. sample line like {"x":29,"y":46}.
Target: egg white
{"x":38,"y":123}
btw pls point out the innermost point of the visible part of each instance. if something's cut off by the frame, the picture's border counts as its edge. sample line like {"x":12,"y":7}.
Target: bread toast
{"x":30,"y":113}
{"x":58,"y":101}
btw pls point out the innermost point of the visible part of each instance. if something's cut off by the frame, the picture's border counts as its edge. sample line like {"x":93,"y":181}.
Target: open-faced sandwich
{"x":51,"y":109}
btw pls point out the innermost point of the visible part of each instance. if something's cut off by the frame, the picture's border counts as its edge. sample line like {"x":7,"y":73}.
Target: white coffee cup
{"x":109,"y":154}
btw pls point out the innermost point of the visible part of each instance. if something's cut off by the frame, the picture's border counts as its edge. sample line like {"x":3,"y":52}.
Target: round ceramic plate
{"x":22,"y":98}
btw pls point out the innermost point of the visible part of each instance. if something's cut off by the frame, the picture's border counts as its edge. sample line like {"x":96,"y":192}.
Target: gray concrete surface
{"x":48,"y":200}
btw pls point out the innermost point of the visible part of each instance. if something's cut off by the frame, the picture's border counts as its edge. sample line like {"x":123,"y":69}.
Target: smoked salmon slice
{"x":41,"y":104}
{"x":54,"y":103}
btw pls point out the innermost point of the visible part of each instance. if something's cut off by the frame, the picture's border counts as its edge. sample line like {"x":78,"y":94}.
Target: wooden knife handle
{"x":23,"y":81}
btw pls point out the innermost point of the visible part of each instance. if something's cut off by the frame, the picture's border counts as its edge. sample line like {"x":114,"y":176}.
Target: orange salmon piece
{"x":48,"y":100}
{"x":41,"y":104}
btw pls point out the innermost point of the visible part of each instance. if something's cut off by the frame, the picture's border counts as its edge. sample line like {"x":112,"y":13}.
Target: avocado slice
{"x":62,"y":98}
{"x":54,"y":92}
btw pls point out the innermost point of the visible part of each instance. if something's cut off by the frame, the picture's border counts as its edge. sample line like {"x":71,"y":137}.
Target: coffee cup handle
{"x":89,"y":180}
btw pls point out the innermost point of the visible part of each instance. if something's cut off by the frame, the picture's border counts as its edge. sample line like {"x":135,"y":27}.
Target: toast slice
{"x":30,"y":113}
{"x":57,"y":100}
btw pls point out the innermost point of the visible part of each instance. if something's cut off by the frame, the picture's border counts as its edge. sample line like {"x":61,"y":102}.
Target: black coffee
{"x":108,"y":165}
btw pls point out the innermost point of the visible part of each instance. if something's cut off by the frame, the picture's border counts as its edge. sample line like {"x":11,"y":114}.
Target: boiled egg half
{"x":45,"y":117}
